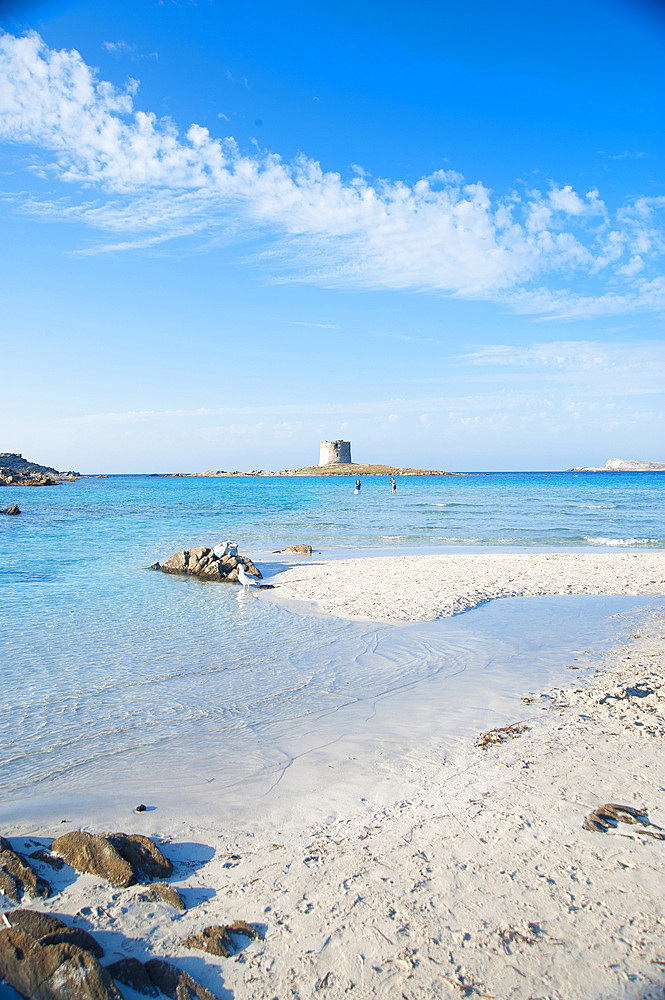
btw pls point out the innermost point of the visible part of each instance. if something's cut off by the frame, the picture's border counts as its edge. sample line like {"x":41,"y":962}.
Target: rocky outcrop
{"x":301,"y":550}
{"x":203,"y":563}
{"x":17,"y":471}
{"x":47,"y":929}
{"x":40,"y":970}
{"x":17,"y":877}
{"x":122,"y":859}
{"x":14,"y":509}
{"x":175,"y":983}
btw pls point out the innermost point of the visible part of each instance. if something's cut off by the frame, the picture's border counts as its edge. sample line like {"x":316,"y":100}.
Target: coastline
{"x":480,"y":881}
{"x":474,"y":875}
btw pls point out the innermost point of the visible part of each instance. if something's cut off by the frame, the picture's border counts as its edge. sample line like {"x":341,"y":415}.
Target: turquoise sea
{"x":127,"y":682}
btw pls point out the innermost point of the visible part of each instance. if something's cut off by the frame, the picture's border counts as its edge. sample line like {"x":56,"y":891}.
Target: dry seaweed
{"x":495,"y":736}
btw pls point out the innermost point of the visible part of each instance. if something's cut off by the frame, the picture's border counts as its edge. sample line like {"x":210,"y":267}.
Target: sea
{"x":120,"y":684}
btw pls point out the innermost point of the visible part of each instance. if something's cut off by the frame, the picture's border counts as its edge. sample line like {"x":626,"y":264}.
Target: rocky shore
{"x":527,"y":862}
{"x":18,"y":471}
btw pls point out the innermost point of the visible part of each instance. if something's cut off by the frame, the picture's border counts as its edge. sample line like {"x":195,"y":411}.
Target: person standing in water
{"x":393,"y":484}
{"x":357,"y":486}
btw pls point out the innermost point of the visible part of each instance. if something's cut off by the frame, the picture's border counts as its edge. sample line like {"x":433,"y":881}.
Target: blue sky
{"x":231,"y":230}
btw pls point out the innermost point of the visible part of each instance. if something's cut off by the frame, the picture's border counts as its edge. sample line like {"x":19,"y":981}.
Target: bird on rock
{"x":244,"y":579}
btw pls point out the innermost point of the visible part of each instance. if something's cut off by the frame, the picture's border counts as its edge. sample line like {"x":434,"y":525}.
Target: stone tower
{"x":335,"y":453}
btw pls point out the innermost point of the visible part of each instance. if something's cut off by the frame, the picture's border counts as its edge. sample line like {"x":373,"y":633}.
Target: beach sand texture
{"x":426,"y":587}
{"x":482,"y":881}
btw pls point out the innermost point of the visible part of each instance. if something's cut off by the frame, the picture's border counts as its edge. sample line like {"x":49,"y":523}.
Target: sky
{"x":434,"y":229}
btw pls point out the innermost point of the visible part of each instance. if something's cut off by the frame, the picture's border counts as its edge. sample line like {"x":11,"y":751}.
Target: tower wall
{"x":335,"y":453}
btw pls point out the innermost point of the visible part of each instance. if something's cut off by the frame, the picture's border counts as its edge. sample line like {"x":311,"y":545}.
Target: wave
{"x":655,"y":542}
{"x":596,"y":506}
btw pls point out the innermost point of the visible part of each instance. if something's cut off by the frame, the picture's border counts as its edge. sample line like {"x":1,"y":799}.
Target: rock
{"x":303,"y":550}
{"x":47,"y":858}
{"x":132,"y":973}
{"x":4,"y":844}
{"x":17,"y":877}
{"x":217,"y":940}
{"x":161,"y":892}
{"x":47,"y":929}
{"x":175,"y":983}
{"x":119,"y":858}
{"x":52,"y":971}
{"x":143,"y":855}
{"x":140,"y":809}
{"x":203,"y":562}
{"x":14,"y":509}
{"x":609,"y":815}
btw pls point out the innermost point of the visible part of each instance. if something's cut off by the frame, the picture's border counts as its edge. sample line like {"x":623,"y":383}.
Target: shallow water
{"x":114,"y":676}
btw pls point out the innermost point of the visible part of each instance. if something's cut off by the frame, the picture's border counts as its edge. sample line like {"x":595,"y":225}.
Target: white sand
{"x":424,"y":587}
{"x":481,"y":882}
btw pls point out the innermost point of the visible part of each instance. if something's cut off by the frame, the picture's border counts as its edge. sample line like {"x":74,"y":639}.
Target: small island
{"x":334,"y":460}
{"x":621,"y":465}
{"x":352,"y":469}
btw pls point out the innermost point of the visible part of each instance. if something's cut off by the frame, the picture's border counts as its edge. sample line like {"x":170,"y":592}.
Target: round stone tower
{"x":335,"y":453}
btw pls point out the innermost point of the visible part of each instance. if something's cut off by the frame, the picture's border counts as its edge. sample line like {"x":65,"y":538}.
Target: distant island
{"x":339,"y":469}
{"x":18,"y":471}
{"x":622,"y":465}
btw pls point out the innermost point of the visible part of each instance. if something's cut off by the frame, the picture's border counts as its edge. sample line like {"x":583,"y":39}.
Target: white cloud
{"x":642,"y":360}
{"x":127,"y":49}
{"x":131,"y":174}
{"x":320,"y":326}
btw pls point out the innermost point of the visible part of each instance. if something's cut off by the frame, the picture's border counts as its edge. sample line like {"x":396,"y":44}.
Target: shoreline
{"x":466,"y":870}
{"x":420,"y":588}
{"x":481,"y":880}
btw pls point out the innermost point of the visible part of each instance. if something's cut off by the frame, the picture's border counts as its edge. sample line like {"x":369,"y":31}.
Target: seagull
{"x":244,"y":579}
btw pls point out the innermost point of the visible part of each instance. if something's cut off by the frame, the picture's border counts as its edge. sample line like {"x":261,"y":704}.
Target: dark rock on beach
{"x":17,"y":877}
{"x":606,"y":817}
{"x":47,"y":929}
{"x":175,"y":983}
{"x":132,"y":973}
{"x":218,"y":940}
{"x":162,"y":892}
{"x":40,"y":970}
{"x":122,"y":859}
{"x":14,"y":509}
{"x":300,"y":549}
{"x":203,"y":563}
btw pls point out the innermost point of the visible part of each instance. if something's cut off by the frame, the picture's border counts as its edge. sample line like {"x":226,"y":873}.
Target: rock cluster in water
{"x":203,"y":562}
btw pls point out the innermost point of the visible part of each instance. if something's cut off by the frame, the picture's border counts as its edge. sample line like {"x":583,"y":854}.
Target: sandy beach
{"x":426,"y":587}
{"x":481,"y":880}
